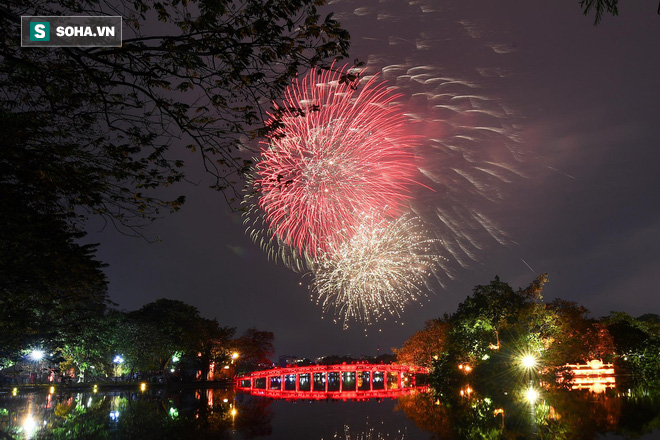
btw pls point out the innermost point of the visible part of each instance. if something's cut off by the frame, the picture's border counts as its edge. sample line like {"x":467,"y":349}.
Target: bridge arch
{"x":343,"y":381}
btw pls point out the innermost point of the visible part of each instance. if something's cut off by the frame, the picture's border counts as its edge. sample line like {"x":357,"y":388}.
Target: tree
{"x":424,"y":346}
{"x":478,"y":320}
{"x":600,"y":6}
{"x":93,"y":348}
{"x":255,"y":348}
{"x":51,"y":287}
{"x":636,"y":344}
{"x":94,"y":128}
{"x":579,"y":338}
{"x":168,"y":326}
{"x":103,"y":131}
{"x":214,"y":343}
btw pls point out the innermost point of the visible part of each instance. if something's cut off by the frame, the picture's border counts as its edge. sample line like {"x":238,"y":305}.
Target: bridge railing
{"x":344,"y":378}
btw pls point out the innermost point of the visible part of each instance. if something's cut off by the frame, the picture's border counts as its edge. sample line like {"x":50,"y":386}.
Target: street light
{"x":529,"y":361}
{"x":118,"y":360}
{"x":37,"y":355}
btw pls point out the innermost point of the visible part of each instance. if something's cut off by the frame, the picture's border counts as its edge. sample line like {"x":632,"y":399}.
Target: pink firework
{"x":347,"y":154}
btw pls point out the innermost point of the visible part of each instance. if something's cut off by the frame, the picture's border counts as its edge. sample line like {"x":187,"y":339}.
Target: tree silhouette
{"x":599,"y":7}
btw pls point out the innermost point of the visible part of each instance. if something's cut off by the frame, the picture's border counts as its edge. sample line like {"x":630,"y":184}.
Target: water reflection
{"x":138,"y":414}
{"x":535,"y":411}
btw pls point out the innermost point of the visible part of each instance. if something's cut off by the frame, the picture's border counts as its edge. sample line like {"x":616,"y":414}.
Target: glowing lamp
{"x":528,"y":361}
{"x":36,"y":355}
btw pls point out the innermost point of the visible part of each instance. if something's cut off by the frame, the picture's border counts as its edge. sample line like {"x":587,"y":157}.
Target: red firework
{"x":346,"y":155}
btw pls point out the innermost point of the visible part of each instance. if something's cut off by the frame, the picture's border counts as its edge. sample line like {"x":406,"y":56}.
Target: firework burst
{"x":384,"y":266}
{"x":345,"y":152}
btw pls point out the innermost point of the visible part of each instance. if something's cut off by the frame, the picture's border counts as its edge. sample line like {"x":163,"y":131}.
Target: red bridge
{"x":346,"y":381}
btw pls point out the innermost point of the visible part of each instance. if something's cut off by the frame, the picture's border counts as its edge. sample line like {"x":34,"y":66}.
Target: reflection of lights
{"x":531,"y":395}
{"x":594,"y":376}
{"x":143,"y":386}
{"x":114,"y":415}
{"x":36,"y":355}
{"x":29,"y":426}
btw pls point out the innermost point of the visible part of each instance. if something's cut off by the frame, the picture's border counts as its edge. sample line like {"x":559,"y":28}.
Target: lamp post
{"x":36,"y":356}
{"x":118,"y":360}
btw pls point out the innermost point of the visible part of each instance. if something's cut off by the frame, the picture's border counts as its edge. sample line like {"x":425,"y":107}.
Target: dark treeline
{"x":497,"y":326}
{"x":99,"y":132}
{"x":167,"y":339}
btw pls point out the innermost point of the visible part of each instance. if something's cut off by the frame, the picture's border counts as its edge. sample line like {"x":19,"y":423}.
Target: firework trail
{"x":343,"y":154}
{"x":383,"y":267}
{"x":470,"y":137}
{"x":329,"y":201}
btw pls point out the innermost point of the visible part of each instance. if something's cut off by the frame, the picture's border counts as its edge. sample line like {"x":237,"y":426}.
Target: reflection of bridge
{"x":352,"y":381}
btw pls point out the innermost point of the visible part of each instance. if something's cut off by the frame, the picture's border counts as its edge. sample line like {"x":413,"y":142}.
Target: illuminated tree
{"x":424,"y":346}
{"x":255,"y":349}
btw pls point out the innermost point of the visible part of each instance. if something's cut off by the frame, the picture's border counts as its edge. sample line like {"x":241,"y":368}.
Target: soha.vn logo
{"x":40,"y":31}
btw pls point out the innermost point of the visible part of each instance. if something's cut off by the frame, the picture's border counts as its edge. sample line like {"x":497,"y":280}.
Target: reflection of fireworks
{"x":346,"y":153}
{"x":384,"y":266}
{"x":369,"y":432}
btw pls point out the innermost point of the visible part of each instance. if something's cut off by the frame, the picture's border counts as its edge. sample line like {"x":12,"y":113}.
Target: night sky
{"x":579,"y":101}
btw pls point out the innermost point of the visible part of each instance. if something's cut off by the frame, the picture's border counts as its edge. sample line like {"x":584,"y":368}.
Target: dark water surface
{"x":225,"y":414}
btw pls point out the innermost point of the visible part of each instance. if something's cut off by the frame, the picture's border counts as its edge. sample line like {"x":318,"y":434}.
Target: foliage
{"x":495,"y":328}
{"x":94,"y":127}
{"x":105,"y":131}
{"x":158,"y":330}
{"x":425,"y":345}
{"x":92,"y":349}
{"x":255,"y":349}
{"x":637,"y":345}
{"x":600,"y":6}
{"x":51,"y":287}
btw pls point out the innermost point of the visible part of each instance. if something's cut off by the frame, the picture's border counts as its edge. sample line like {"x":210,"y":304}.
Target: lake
{"x":225,"y":414}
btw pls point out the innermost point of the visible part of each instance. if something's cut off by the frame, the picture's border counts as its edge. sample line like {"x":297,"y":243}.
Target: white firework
{"x":383,"y":267}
